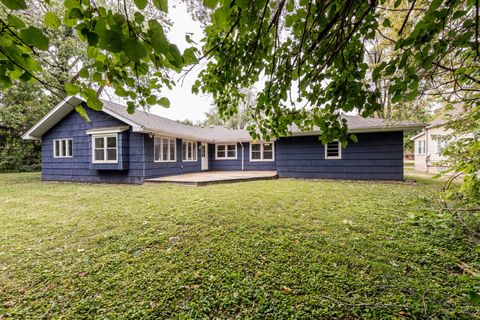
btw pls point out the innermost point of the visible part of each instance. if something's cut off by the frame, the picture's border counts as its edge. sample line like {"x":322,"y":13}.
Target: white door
{"x":204,"y":155}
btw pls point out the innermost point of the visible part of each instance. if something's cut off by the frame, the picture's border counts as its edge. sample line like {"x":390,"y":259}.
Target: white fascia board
{"x":107,"y":130}
{"x":169,"y":134}
{"x":136,"y":127}
{"x":417,"y":135}
{"x":51,"y":118}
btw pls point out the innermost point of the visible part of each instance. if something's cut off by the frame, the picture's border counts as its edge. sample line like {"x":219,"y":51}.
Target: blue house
{"x":118,"y":147}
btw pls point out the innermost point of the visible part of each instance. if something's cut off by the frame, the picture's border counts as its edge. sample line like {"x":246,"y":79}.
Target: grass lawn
{"x":266,"y":249}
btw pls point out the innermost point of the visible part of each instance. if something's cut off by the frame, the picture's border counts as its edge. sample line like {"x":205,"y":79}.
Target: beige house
{"x":428,"y":148}
{"x":430,"y":143}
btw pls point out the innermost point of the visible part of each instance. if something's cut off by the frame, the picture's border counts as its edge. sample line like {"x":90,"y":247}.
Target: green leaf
{"x":164,"y":102}
{"x":15,"y":4}
{"x":386,"y":23}
{"x":141,"y":4}
{"x":35,"y":37}
{"x":71,"y":89}
{"x":92,"y":39}
{"x":72,"y":4}
{"x":212,"y":4}
{"x":161,"y":5}
{"x":189,"y":56}
{"x":130,"y":107}
{"x":82,"y":112}
{"x":51,"y":20}
{"x":353,"y":138}
{"x":16,"y":21}
{"x":111,"y":41}
{"x":474,"y":297}
{"x":151,"y":100}
{"x":157,"y":37}
{"x":134,"y":50}
{"x":83,"y":73}
{"x":75,"y":13}
{"x":176,"y":58}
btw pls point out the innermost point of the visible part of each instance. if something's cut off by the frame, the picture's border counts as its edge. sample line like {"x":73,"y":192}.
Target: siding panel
{"x":79,"y":167}
{"x":376,"y":156}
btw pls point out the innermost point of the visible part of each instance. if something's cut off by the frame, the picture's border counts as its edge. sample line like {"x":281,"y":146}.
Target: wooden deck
{"x":212,"y":177}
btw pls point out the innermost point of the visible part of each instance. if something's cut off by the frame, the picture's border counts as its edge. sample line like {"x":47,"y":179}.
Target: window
{"x":263,"y":151}
{"x":333,"y":150}
{"x":189,"y":151}
{"x":442,"y":143}
{"x":105,"y":149}
{"x":62,"y":148}
{"x":226,"y":151}
{"x":165,"y":150}
{"x":420,"y":147}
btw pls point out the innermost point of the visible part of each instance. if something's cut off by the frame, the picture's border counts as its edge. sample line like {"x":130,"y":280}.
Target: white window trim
{"x":160,"y":159}
{"x":423,"y":148}
{"x":104,"y":136}
{"x":339,"y":157}
{"x":226,"y":157}
{"x":261,"y":152}
{"x":195,"y":147}
{"x":69,"y":141}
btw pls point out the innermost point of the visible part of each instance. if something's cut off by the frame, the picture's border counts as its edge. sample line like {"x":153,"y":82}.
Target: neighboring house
{"x":430,"y":143}
{"x":119,"y":147}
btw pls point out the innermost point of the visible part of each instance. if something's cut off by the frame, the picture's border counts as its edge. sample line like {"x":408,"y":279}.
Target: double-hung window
{"x":105,"y":148}
{"x":263,"y":151}
{"x":165,"y":150}
{"x":189,"y":151}
{"x":225,"y":151}
{"x":333,"y":150}
{"x":442,"y":143}
{"x":420,"y":147}
{"x":62,"y":148}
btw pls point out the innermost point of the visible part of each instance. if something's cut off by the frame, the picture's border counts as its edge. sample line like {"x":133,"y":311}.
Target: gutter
{"x":243,"y":162}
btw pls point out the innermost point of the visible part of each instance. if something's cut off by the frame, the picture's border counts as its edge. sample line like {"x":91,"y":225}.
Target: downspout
{"x":243,"y":165}
{"x":426,"y":150}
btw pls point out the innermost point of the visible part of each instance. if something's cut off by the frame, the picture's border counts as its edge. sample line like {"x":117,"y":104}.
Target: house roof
{"x":153,"y":123}
{"x":358,"y":124}
{"x":418,"y":135}
{"x":447,"y":114}
{"x":146,"y":122}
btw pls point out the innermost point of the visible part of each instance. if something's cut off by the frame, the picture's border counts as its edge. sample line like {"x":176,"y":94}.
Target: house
{"x":430,"y":143}
{"x":119,"y":147}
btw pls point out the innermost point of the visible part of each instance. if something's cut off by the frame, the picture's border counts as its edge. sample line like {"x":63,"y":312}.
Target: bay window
{"x":105,"y":148}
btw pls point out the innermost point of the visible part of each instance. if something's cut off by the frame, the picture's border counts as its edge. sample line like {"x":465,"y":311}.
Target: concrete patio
{"x":212,"y":177}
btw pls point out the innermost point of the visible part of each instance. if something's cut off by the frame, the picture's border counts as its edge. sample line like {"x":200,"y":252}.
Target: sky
{"x":183,"y":103}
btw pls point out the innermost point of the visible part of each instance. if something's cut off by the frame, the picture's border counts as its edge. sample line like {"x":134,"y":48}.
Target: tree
{"x":125,"y":50}
{"x":238,"y":118}
{"x":309,"y":56}
{"x":20,"y":108}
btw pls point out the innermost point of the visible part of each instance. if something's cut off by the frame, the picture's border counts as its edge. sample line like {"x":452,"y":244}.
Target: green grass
{"x":266,"y":249}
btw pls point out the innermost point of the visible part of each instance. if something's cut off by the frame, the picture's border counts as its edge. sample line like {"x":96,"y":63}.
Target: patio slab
{"x":212,"y":177}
